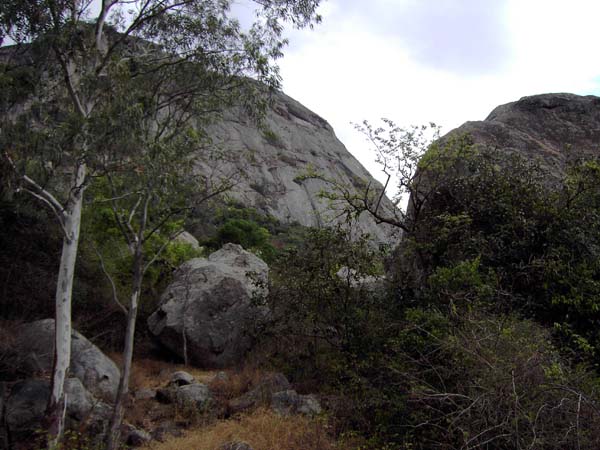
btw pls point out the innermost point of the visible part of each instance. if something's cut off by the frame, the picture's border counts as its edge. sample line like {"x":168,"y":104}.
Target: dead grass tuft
{"x":151,"y":373}
{"x":236,"y":383}
{"x":262,"y":430}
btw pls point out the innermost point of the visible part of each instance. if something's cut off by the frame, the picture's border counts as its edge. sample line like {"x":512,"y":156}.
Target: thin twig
{"x":110,"y":279}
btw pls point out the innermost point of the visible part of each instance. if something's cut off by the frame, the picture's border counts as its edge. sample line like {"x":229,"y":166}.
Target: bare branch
{"x":112,"y":283}
{"x":60,"y":217}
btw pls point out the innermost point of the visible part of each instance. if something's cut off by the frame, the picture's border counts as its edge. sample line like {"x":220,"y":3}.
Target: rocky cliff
{"x":272,"y":162}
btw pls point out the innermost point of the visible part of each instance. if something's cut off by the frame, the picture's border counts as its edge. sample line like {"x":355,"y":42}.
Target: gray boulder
{"x":181,"y":378}
{"x":196,"y":396}
{"x":211,"y":301}
{"x":186,"y":238}
{"x":34,"y":350}
{"x":26,"y":405}
{"x":261,"y":393}
{"x":135,"y":437}
{"x":79,"y":401}
{"x":290,"y":402}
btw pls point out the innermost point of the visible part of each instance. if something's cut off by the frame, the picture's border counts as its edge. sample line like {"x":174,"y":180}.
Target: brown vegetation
{"x":262,"y":430}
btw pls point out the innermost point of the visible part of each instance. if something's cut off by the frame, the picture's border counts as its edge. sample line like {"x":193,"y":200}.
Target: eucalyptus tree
{"x":148,"y":152}
{"x":77,"y":54}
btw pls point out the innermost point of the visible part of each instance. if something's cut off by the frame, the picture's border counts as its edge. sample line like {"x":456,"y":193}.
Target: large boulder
{"x":34,"y":350}
{"x":289,"y":402}
{"x":210,"y":302}
{"x":546,"y":128}
{"x":25,"y":407}
{"x":196,"y":396}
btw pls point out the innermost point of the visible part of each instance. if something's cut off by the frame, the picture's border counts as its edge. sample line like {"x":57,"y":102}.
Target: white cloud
{"x":356,"y":65}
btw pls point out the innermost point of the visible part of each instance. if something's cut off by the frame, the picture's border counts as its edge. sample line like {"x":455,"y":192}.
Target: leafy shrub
{"x":318,"y":304}
{"x":244,"y":232}
{"x":496,"y":383}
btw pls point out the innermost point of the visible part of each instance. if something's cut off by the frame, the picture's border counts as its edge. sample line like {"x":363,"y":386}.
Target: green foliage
{"x":249,"y":235}
{"x":496,"y":382}
{"x":462,"y":285}
{"x":255,"y":231}
{"x":484,"y":341}
{"x":429,"y":376}
{"x":321,"y":306}
{"x":537,"y":250}
{"x":107,"y":246}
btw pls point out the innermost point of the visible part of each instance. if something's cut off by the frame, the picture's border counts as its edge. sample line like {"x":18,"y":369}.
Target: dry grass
{"x":151,"y":373}
{"x":237,"y":383}
{"x":262,"y":430}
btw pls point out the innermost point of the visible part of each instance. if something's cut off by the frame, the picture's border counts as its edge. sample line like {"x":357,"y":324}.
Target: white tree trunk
{"x":64,"y":288}
{"x":114,"y":432}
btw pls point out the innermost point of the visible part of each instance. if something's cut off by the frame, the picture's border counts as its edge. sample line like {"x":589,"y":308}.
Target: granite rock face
{"x":210,"y":303}
{"x":293,"y":142}
{"x":543,"y":126}
{"x":544,"y":129}
{"x":273,"y":159}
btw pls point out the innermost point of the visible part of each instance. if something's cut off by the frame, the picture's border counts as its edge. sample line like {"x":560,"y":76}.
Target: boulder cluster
{"x":204,"y":315}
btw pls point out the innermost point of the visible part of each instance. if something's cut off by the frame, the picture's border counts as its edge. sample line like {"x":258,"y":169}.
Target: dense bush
{"x":533,"y":235}
{"x":487,"y":343}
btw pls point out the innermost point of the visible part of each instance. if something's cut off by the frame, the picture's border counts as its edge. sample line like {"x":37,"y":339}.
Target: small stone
{"x":181,"y":378}
{"x":235,"y":446}
{"x":309,"y":405}
{"x":144,"y":394}
{"x":220,"y":377}
{"x":137,"y":437}
{"x":195,"y":395}
{"x":289,"y":402}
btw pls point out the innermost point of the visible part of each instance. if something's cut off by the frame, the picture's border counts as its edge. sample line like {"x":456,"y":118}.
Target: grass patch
{"x":262,"y":430}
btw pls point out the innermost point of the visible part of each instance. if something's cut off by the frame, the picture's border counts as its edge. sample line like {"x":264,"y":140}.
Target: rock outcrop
{"x":543,"y":127}
{"x":34,"y":351}
{"x":209,"y":303}
{"x":275,"y":159}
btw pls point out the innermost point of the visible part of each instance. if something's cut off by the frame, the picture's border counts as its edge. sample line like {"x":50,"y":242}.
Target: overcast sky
{"x":445,"y":61}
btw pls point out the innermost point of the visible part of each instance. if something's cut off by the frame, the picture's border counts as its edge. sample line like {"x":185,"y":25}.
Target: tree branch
{"x":112,"y":283}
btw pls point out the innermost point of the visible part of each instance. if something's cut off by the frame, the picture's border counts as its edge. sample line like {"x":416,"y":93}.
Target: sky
{"x":442,"y":61}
